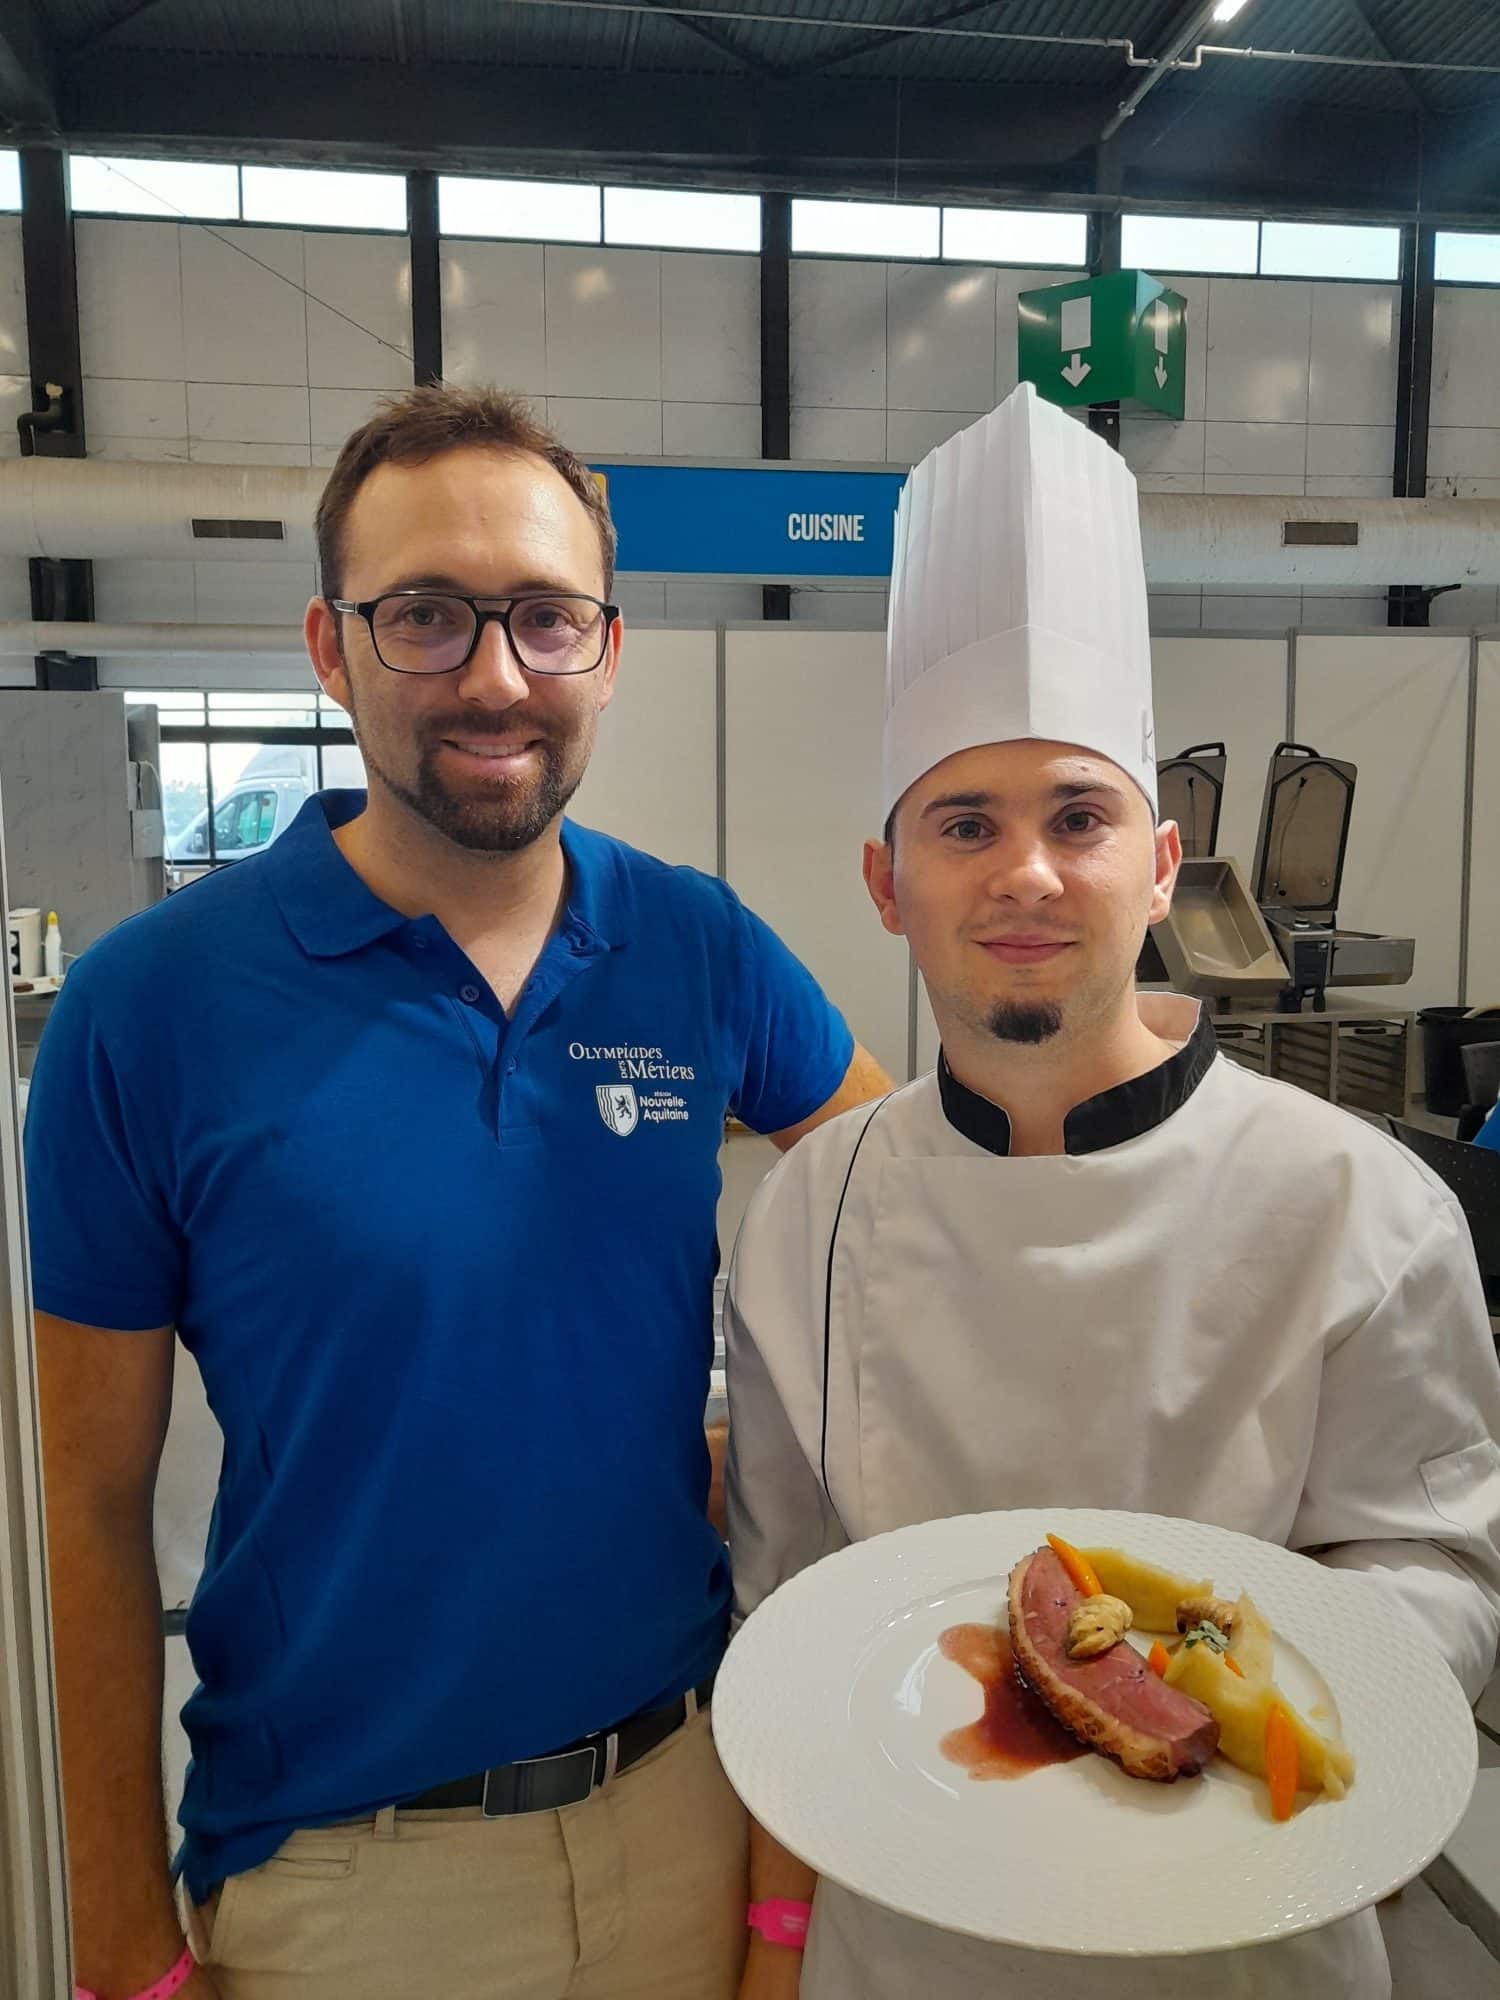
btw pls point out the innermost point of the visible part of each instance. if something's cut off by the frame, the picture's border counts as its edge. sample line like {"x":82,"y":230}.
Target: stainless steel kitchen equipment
{"x":1278,"y":936}
{"x":1299,"y":868}
{"x":1190,"y":790}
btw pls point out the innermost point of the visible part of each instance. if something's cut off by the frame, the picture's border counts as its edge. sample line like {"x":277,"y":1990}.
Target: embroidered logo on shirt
{"x":618,"y":1107}
{"x":637,"y":1062}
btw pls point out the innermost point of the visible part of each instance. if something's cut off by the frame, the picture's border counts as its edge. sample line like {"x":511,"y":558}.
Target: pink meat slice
{"x":1113,"y":1702}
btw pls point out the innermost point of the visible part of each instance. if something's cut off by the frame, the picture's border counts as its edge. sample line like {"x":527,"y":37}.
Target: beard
{"x":501,"y":820}
{"x":1025,"y":1021}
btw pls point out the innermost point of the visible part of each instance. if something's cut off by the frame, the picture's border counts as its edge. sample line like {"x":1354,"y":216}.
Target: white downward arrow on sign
{"x":1161,"y":375}
{"x":1075,"y":371}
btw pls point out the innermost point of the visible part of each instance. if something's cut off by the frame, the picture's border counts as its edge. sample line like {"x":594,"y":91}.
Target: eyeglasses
{"x":435,"y":632}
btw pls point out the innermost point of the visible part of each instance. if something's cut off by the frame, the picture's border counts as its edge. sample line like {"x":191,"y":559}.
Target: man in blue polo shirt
{"x":409,"y":1130}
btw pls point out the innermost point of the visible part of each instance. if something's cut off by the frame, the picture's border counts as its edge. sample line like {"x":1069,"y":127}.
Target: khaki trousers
{"x":637,"y":1894}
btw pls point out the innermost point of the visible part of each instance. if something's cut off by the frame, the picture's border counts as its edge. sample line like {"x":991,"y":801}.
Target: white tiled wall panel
{"x":15,"y":596}
{"x":1259,"y":339}
{"x":710,"y":328}
{"x":1295,"y":383}
{"x":15,"y":367}
{"x":240,"y":347}
{"x":1484,"y":860}
{"x":710,"y":430}
{"x":838,"y":328}
{"x":603,"y":322}
{"x":1352,"y":360}
{"x":1397,"y":708}
{"x":359,"y":312}
{"x":940,"y":337}
{"x":495,"y":315}
{"x":635,"y":352}
{"x":653,"y":776}
{"x":1290,"y":384}
{"x":244,"y":320}
{"x":1463,"y":453}
{"x":808,"y":707}
{"x":1231,"y":691}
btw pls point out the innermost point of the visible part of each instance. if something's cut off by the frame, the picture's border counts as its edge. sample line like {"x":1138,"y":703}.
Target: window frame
{"x":315,"y":735}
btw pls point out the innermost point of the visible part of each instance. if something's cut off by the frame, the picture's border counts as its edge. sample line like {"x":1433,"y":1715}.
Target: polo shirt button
{"x":469,"y":993}
{"x":419,"y":944}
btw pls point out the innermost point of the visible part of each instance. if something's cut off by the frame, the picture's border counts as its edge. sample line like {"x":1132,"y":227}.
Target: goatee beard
{"x":1028,"y":1022}
{"x":501,"y":824}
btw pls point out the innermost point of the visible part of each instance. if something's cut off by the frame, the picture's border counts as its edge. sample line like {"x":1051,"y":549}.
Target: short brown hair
{"x":436,"y":417}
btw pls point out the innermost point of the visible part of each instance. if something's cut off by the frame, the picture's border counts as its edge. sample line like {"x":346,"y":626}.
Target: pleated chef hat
{"x":1018,"y":599}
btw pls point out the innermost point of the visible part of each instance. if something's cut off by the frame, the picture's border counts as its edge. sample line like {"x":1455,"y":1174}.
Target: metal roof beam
{"x":814,"y":135}
{"x":863,"y":44}
{"x":27,"y":104}
{"x":715,"y":38}
{"x":100,"y":36}
{"x":1179,"y":40}
{"x":1364,"y":12}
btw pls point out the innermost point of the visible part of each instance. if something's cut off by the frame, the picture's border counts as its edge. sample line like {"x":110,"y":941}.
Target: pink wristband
{"x":180,"y":1974}
{"x":780,"y":1921}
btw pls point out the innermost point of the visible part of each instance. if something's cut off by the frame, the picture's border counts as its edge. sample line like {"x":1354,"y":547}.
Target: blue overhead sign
{"x":713,"y":520}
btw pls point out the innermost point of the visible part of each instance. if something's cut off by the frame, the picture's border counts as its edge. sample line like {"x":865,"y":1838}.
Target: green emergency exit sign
{"x":1118,"y":338}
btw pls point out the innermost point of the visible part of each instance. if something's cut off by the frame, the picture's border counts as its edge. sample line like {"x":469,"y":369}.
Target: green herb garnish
{"x":1206,"y":1634}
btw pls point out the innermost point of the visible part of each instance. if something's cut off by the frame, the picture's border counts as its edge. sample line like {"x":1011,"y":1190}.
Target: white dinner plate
{"x":833,"y":1699}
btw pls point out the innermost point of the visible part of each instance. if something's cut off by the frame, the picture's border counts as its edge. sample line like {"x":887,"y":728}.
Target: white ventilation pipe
{"x":103,"y":508}
{"x":122,"y":642}
{"x":110,"y":508}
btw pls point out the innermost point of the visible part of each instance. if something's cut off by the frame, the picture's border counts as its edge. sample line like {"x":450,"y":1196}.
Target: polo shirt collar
{"x":332,"y":912}
{"x":328,"y":909}
{"x":1127,"y":1111}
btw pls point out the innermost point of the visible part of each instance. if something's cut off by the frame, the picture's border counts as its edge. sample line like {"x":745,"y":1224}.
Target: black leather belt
{"x":566,"y":1777}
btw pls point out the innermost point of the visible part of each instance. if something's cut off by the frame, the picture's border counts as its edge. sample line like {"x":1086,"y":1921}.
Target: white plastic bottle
{"x":52,"y":948}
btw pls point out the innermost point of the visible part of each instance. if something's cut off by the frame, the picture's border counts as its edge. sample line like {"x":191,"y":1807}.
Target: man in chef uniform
{"x":1088,"y":1262}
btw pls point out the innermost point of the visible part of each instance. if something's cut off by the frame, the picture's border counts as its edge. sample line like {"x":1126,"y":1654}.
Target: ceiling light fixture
{"x":1227,"y":9}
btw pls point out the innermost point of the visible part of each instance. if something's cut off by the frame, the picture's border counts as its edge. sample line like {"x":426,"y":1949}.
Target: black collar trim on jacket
{"x":1125,"y":1112}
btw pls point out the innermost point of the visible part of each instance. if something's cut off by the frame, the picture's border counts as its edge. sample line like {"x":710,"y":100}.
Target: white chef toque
{"x":1018,"y":599}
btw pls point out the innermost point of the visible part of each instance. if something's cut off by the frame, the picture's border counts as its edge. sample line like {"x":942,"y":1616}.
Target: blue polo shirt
{"x":1489,"y":1132}
{"x":448,"y":1278}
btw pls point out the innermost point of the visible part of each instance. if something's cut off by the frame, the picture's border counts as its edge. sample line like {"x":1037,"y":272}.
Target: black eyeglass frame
{"x":366,"y":608}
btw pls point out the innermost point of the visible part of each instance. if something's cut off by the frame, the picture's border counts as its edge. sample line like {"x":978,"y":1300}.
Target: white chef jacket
{"x":1226,"y":1301}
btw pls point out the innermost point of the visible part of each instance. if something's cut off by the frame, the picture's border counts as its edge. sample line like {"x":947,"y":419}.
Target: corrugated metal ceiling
{"x":560,"y":37}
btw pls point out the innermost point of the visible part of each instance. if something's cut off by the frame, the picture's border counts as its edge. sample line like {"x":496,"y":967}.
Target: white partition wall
{"x":1231,"y":691}
{"x":653,"y":776}
{"x":1484,"y":843}
{"x":1397,"y":707}
{"x":802,"y":794}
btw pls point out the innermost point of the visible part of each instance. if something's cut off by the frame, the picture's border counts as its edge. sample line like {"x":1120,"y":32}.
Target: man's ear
{"x":880,"y":880}
{"x":1168,"y":862}
{"x":320,"y":632}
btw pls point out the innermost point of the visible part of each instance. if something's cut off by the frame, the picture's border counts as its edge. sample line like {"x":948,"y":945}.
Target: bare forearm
{"x":774,"y":1971}
{"x":106,"y":1615}
{"x":775,"y":1873}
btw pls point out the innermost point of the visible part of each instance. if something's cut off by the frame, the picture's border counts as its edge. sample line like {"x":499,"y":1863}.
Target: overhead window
{"x":1467,"y":257}
{"x":535,"y":211}
{"x":237,"y":767}
{"x":676,"y":219}
{"x":1190,"y":243}
{"x":1328,"y":250}
{"x":207,"y":190}
{"x":1014,"y":236}
{"x":10,"y":179}
{"x":886,"y":229}
{"x":317,"y":198}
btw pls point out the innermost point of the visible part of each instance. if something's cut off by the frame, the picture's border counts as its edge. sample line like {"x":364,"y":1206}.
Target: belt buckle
{"x":540,"y":1784}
